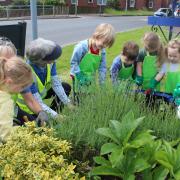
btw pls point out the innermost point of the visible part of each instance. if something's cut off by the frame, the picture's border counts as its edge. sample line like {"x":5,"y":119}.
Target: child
{"x":170,"y":72}
{"x":90,"y":55}
{"x":42,"y":55}
{"x":15,"y":75}
{"x":8,"y":50}
{"x":123,"y":65}
{"x":147,"y":62}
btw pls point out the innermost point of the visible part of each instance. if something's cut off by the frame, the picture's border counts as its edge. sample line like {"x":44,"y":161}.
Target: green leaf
{"x":116,"y":157}
{"x":160,"y":173}
{"x":141,"y":139}
{"x":106,"y":170}
{"x":107,"y":133}
{"x":108,"y":148}
{"x":101,"y":160}
{"x":128,"y":127}
{"x":177,"y":175}
{"x":162,"y":158}
{"x":140,"y":165}
{"x":129,"y":177}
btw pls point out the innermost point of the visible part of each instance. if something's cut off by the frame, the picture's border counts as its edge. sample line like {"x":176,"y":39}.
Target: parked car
{"x":177,"y":12}
{"x":163,"y":12}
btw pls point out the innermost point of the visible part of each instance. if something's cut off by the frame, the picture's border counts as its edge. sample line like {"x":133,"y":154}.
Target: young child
{"x":15,"y":75}
{"x":42,"y":55}
{"x":8,"y":50}
{"x":123,"y":65}
{"x":90,"y":55}
{"x":170,"y":72}
{"x":148,"y":61}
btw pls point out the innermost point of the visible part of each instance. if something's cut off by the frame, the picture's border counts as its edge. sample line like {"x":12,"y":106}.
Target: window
{"x":90,"y":1}
{"x":150,"y":3}
{"x":132,"y":3}
{"x":102,"y":2}
{"x":74,"y":2}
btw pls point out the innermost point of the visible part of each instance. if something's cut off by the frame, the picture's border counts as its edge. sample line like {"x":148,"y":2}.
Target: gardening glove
{"x":82,"y":78}
{"x":153,"y":84}
{"x":176,"y":92}
{"x":42,"y":118}
{"x":139,"y":80}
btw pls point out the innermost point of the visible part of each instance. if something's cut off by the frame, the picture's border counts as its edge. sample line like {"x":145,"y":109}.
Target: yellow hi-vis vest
{"x":42,"y":89}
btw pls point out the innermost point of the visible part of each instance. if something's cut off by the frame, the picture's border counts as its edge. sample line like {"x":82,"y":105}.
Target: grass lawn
{"x":63,"y":66}
{"x":128,"y":13}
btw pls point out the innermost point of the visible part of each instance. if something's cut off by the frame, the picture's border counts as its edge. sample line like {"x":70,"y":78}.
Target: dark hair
{"x":130,"y":50}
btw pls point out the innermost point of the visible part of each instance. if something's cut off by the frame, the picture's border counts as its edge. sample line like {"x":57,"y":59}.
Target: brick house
{"x":5,"y":2}
{"x":93,"y":5}
{"x":140,"y":4}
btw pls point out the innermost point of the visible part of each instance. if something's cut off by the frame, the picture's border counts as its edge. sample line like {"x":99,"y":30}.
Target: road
{"x":71,"y":30}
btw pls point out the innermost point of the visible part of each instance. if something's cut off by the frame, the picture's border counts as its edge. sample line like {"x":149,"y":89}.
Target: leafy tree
{"x":52,"y":2}
{"x":113,"y":3}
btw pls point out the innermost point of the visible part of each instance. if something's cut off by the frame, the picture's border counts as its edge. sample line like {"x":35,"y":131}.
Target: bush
{"x":33,"y":153}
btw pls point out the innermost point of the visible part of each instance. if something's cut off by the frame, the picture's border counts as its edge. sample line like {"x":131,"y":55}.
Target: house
{"x":5,"y":2}
{"x":87,"y":6}
{"x":140,"y":4}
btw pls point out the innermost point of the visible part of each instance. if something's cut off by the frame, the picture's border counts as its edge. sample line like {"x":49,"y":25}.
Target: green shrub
{"x":131,"y":153}
{"x":33,"y":153}
{"x":97,"y":109}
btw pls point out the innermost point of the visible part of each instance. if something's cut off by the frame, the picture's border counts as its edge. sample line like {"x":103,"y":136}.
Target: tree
{"x":113,"y":3}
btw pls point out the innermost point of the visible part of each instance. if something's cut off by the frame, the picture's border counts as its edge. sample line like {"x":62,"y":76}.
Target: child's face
{"x":99,"y":44}
{"x":14,"y":87}
{"x":128,"y":61}
{"x":173,"y":55}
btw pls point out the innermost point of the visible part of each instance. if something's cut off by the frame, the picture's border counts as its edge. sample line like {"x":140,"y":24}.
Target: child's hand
{"x":139,"y":80}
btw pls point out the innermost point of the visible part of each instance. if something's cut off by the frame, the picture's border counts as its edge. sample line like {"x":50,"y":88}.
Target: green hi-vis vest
{"x":149,"y":71}
{"x":125,"y":72}
{"x":42,"y":89}
{"x":170,"y":80}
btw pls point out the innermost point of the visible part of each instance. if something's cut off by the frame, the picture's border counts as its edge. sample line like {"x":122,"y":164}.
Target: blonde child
{"x":8,"y":50}
{"x":90,"y":55}
{"x":123,"y":65}
{"x":170,"y":72}
{"x":148,"y":61}
{"x":15,"y":75}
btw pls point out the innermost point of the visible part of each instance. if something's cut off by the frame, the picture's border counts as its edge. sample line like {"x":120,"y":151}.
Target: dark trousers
{"x":56,"y":105}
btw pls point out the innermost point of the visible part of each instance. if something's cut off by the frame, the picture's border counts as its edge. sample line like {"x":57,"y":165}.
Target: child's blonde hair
{"x":7,"y":48}
{"x":105,"y":32}
{"x":15,"y":69}
{"x":174,"y":44}
{"x":130,"y":50}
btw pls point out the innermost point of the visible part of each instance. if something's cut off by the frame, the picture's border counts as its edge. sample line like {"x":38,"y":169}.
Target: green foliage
{"x":113,"y":3}
{"x":125,"y":154}
{"x":169,"y":158}
{"x":52,"y":2}
{"x":21,"y":2}
{"x":131,"y":151}
{"x":33,"y":153}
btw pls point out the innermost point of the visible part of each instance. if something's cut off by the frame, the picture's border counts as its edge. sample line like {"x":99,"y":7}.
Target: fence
{"x":20,"y":11}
